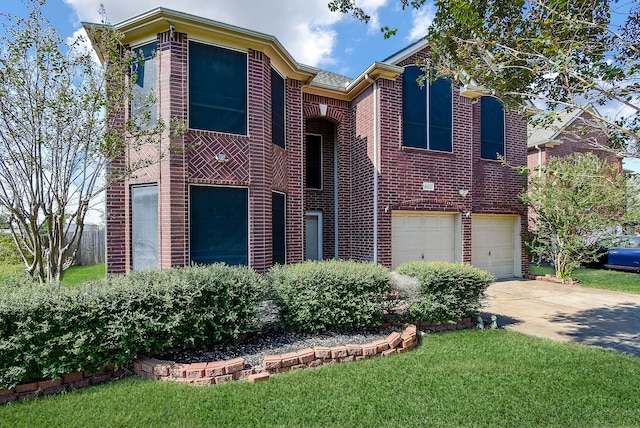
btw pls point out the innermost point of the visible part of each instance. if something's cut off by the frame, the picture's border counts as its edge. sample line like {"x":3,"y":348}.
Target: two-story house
{"x":283,"y":162}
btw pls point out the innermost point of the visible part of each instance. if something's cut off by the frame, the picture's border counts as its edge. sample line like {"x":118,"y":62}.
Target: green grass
{"x":76,"y":275}
{"x":628,"y":282}
{"x":457,"y":379}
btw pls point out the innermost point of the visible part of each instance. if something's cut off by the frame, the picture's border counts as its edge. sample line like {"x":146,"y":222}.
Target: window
{"x":277,"y":109}
{"x":427,"y":112}
{"x":144,"y":227}
{"x":491,"y":128}
{"x":217,"y":89}
{"x":313,"y":162}
{"x":278,"y":229}
{"x":219,"y":225}
{"x":143,"y":103}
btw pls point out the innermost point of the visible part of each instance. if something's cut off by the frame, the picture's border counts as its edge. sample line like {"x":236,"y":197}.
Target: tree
{"x":562,"y":54}
{"x":61,"y":122}
{"x":577,"y":201}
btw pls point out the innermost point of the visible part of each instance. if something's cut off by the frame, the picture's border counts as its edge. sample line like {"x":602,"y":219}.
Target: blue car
{"x":625,"y":256}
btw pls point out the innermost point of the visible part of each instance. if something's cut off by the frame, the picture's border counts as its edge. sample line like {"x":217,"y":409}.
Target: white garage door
{"x":423,"y":236}
{"x":495,"y":244}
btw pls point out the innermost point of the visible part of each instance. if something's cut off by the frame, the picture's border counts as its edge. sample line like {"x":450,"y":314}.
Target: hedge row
{"x":448,"y":291}
{"x":329,"y":295}
{"x":47,"y":331}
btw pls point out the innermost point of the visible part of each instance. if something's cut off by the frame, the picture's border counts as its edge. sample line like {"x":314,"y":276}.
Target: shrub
{"x":329,"y":295}
{"x":47,"y":331}
{"x":449,"y":291}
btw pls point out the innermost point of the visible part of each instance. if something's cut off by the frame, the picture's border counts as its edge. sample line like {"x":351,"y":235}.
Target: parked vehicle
{"x":624,"y":255}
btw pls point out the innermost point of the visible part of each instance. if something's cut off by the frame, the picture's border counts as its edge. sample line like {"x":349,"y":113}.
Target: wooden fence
{"x":92,"y":248}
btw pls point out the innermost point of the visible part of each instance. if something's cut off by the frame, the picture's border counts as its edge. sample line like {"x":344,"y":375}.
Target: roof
{"x":140,"y":28}
{"x":328,"y":78}
{"x":538,"y":135}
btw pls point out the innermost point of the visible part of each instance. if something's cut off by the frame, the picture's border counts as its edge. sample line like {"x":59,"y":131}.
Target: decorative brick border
{"x":217,"y":372}
{"x":550,"y":279}
{"x":67,"y":382}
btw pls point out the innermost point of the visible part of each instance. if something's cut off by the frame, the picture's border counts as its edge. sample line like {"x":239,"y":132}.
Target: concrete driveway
{"x":590,"y":316}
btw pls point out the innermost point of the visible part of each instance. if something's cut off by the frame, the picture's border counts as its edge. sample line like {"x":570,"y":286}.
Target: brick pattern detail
{"x":349,"y":131}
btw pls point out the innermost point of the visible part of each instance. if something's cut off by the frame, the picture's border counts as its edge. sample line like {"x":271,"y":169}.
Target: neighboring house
{"x":570,"y":132}
{"x":284,"y":162}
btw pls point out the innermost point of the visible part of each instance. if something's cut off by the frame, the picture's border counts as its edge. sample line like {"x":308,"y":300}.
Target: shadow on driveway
{"x":616,"y":328}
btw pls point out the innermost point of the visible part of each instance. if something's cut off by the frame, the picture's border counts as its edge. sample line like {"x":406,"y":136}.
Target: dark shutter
{"x":491,"y":128}
{"x":278,"y":230}
{"x":144,"y":227}
{"x":313,"y":162}
{"x":414,"y":109}
{"x":217,"y":89}
{"x":440,"y":115}
{"x":219,"y":225}
{"x":277,"y":109}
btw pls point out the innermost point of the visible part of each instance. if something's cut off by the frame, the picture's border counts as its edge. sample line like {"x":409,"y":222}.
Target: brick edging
{"x":217,"y":372}
{"x":67,"y":382}
{"x":549,"y":279}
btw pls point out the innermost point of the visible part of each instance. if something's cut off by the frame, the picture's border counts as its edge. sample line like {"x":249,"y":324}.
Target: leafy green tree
{"x":58,"y":131}
{"x":563,"y":54}
{"x":577,"y":201}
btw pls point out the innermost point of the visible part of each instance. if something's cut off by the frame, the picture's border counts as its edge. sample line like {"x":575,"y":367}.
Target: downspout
{"x":539,"y":160}
{"x":375,"y":167}
{"x":335,"y":198}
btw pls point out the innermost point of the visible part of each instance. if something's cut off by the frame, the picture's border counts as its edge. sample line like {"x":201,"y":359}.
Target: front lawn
{"x":466,"y":378}
{"x":74,"y":276}
{"x":77,"y":275}
{"x":628,"y":282}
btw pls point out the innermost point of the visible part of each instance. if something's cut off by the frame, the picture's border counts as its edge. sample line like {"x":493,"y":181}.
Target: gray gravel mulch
{"x":272,"y":340}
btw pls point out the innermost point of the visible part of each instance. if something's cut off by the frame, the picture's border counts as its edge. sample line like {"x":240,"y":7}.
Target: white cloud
{"x":84,"y":45}
{"x":303,"y":29}
{"x":371,"y":8}
{"x":421,"y":21}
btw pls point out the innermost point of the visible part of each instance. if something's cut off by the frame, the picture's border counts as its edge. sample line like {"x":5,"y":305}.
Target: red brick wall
{"x":334,"y":127}
{"x":294,"y":172}
{"x":348,"y":127}
{"x":323,"y":199}
{"x":361,"y":176}
{"x":254,"y":162}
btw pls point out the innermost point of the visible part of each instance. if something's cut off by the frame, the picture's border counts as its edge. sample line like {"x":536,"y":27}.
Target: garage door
{"x":495,"y":244}
{"x":423,"y":236}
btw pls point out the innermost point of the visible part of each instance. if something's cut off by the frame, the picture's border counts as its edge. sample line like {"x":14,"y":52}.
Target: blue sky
{"x":307,"y":29}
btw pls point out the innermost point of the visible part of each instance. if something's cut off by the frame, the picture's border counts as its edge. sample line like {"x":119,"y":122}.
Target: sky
{"x":311,"y":33}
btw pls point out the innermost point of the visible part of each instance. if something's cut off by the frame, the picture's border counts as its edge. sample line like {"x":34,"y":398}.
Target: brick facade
{"x":360,"y":122}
